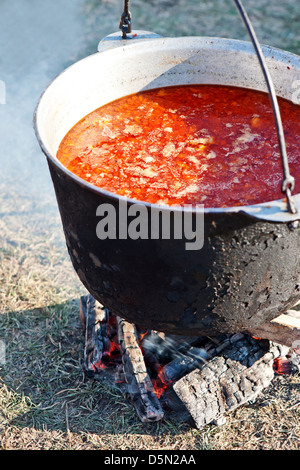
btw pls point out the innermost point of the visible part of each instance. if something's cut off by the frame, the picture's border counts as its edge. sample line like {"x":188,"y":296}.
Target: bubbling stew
{"x":189,"y":144}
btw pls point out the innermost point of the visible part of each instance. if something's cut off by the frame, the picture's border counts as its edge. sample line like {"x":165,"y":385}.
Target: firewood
{"x":207,"y":376}
{"x":164,"y":347}
{"x":182,"y":365}
{"x":95,"y":320}
{"x":284,"y":329}
{"x":228,"y":381}
{"x":139,"y":383}
{"x":195,"y":357}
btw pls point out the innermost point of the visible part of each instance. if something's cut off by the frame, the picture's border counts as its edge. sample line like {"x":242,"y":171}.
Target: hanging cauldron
{"x":247,"y":271}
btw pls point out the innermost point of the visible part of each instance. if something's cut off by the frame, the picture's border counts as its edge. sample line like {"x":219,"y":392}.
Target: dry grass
{"x":45,"y":402}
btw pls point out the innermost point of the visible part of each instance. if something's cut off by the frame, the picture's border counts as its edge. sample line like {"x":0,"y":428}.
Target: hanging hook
{"x":125,"y":22}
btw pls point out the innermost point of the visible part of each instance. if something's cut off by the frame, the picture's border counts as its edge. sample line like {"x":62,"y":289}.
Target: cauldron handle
{"x":288,"y":183}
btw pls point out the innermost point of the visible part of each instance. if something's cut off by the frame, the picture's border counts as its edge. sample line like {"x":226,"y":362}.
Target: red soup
{"x":207,"y":144}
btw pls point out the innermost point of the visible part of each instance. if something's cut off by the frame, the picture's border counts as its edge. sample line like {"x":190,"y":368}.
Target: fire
{"x":110,"y":356}
{"x":282,"y":366}
{"x":155,"y":369}
{"x":159,"y":387}
{"x":160,"y":384}
{"x":97,"y":366}
{"x":142,"y":336}
{"x":111,"y":353}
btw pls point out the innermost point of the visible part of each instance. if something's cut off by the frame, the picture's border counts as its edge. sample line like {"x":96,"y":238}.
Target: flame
{"x":142,"y":336}
{"x":113,"y":349}
{"x":160,"y":384}
{"x":159,"y":387}
{"x":109,"y":357}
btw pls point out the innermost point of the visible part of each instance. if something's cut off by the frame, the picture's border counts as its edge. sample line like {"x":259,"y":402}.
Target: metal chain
{"x":288,"y":183}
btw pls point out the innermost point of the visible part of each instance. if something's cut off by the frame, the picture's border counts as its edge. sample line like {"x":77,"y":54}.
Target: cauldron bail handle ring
{"x":288,"y":183}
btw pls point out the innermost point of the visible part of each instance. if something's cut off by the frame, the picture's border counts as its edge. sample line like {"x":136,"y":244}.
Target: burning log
{"x":165,"y":347}
{"x":228,"y":381}
{"x":182,"y":365}
{"x":140,"y":386}
{"x":201,"y":377}
{"x":195,"y":357}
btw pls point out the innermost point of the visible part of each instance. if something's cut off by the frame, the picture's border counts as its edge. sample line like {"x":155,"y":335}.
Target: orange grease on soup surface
{"x":207,"y":144}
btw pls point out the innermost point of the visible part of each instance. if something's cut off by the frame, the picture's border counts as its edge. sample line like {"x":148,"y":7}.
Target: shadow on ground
{"x":42,"y":381}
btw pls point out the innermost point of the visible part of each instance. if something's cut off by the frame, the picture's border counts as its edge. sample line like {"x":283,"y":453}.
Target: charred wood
{"x":95,"y":319}
{"x":182,"y":365}
{"x":163,"y":347}
{"x":198,"y":377}
{"x":140,"y":386}
{"x":228,"y":381}
{"x":195,"y":357}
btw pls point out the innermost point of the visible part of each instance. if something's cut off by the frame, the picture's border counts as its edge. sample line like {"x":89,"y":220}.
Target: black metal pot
{"x":247,"y":271}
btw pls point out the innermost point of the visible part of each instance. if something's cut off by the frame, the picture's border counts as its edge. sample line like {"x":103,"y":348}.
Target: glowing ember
{"x":160,"y":384}
{"x":109,"y":358}
{"x":282,"y":366}
{"x":159,"y":387}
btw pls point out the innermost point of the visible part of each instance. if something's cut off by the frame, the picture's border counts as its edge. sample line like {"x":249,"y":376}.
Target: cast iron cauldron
{"x":248,"y":270}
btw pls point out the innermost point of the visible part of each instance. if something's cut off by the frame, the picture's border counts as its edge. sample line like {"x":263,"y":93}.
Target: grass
{"x":276,"y":23}
{"x":45,"y":401}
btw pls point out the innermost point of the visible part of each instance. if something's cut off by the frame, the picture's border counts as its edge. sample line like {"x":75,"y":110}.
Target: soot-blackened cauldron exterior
{"x":247,"y":271}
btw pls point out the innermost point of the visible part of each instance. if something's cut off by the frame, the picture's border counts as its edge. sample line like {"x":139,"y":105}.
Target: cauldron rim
{"x":270,"y":211}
